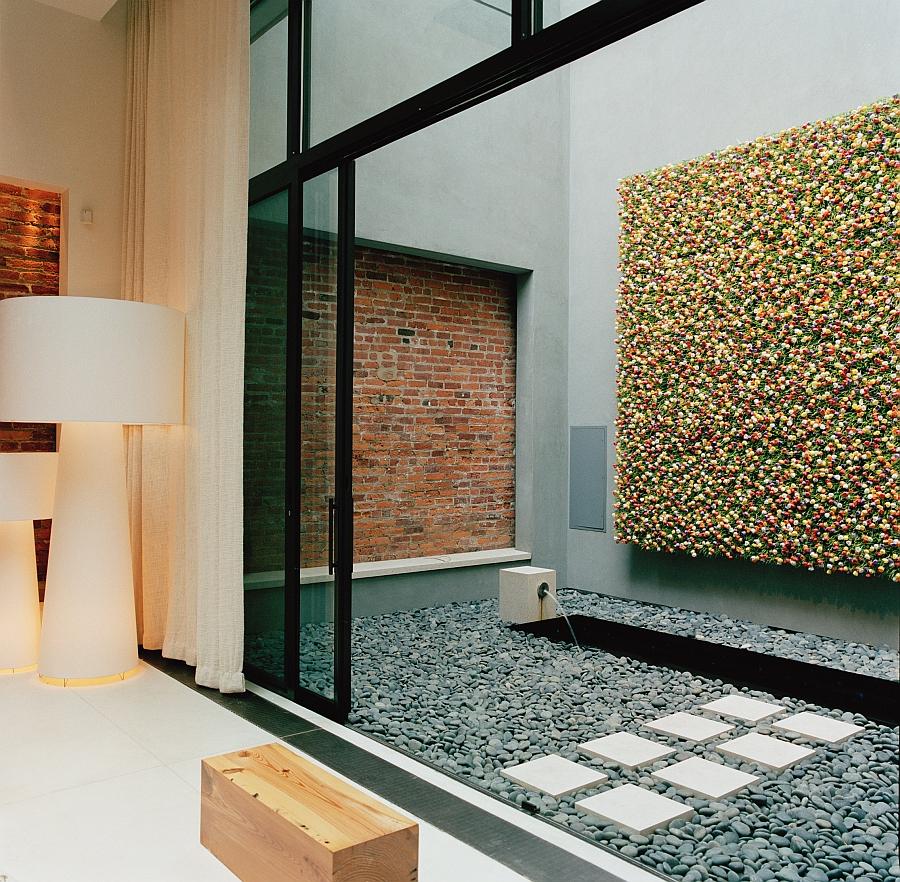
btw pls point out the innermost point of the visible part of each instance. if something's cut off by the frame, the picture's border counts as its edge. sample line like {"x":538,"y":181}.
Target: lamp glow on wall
{"x":27,"y":484}
{"x":93,"y":365}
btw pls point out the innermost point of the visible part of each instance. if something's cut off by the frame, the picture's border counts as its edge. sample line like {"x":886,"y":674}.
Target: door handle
{"x":331,"y":508}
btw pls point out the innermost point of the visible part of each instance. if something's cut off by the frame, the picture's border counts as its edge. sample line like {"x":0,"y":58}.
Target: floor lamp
{"x":27,"y":484}
{"x":91,"y":364}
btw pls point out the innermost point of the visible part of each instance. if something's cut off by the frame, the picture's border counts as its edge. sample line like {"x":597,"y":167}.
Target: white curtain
{"x":185,"y":247}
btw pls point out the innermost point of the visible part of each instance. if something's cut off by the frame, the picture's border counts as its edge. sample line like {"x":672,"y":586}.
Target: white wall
{"x":717,"y":74}
{"x":62,"y":124}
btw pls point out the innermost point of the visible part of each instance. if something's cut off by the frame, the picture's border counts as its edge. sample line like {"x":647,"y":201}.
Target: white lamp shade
{"x":27,"y":486}
{"x":90,"y":359}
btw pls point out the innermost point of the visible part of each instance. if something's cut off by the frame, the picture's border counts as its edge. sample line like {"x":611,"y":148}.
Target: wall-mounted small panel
{"x":587,"y":478}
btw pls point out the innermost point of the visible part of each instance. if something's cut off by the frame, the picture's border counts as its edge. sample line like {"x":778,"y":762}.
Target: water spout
{"x":543,"y":591}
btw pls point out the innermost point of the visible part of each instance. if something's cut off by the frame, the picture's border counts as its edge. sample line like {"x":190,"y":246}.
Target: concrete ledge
{"x":374,"y":569}
{"x":381,"y":587}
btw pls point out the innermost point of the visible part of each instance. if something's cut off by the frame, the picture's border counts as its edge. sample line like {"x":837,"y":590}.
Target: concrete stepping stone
{"x":632,"y":808}
{"x":689,"y":727}
{"x":700,"y":776}
{"x":818,"y":727}
{"x":742,"y":708}
{"x":554,"y":775}
{"x":626,"y":750}
{"x":765,"y":751}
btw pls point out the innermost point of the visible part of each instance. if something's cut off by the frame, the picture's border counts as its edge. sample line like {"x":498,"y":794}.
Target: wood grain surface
{"x":270,"y":815}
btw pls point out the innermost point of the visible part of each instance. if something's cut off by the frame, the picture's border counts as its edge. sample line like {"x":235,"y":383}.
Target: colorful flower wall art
{"x":759,"y":350}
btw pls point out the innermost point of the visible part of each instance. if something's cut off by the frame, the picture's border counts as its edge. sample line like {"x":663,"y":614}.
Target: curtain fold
{"x":185,"y":246}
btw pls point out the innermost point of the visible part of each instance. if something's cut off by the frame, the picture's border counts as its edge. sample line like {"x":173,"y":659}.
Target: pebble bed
{"x":455,"y":687}
{"x":861,"y":658}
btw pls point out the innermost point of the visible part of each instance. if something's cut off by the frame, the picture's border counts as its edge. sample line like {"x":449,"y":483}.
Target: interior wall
{"x":62,"y":124}
{"x":720,"y":73}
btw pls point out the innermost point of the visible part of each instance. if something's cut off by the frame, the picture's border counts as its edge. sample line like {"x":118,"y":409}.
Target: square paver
{"x":704,"y":778}
{"x":765,"y":751}
{"x":634,"y":809}
{"x":818,"y":727}
{"x":742,"y":708}
{"x":689,"y":726}
{"x":554,"y":775}
{"x":625,"y":749}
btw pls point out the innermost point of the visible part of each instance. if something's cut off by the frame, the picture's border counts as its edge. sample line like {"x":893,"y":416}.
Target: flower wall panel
{"x":759,"y":350}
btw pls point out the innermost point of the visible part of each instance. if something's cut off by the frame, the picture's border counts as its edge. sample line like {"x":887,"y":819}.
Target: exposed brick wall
{"x":434,"y":430}
{"x":434,"y":404}
{"x":29,"y":266}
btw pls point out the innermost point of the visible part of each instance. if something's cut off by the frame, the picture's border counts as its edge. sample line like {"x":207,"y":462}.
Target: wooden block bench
{"x":272,"y":816}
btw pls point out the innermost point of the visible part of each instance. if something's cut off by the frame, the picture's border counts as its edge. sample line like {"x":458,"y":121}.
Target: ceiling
{"x":93,"y":9}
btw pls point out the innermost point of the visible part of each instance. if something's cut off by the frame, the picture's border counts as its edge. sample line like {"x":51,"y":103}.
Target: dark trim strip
{"x":874,"y":698}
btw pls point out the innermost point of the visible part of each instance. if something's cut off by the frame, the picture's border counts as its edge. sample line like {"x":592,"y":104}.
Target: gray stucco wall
{"x":720,"y":73}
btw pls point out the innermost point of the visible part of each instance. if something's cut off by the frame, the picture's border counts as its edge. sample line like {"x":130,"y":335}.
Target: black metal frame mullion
{"x":343,"y":430}
{"x":305,"y":61}
{"x":522,"y":20}
{"x":296,"y":78}
{"x":293,"y":520}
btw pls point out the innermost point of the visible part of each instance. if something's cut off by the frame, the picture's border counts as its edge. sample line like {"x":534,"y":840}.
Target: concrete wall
{"x":720,"y":73}
{"x":491,"y":185}
{"x":62,"y":124}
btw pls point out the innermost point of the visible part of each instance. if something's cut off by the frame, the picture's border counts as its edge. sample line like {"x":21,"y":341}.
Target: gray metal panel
{"x":587,"y":478}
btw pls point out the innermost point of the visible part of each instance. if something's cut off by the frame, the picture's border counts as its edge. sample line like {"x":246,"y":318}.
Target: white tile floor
{"x":101,"y":784}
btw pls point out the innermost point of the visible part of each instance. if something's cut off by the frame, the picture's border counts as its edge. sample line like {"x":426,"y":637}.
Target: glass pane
{"x":268,"y":84}
{"x":317,"y":414}
{"x":552,"y":11}
{"x":368,"y":55}
{"x":264,"y":433}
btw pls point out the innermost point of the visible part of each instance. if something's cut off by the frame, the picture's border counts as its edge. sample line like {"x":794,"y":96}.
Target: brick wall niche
{"x":434,"y":427}
{"x":434,"y":405}
{"x":29,"y":267}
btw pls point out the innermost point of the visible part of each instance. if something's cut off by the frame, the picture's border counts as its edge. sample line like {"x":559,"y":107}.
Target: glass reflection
{"x":392,"y":49}
{"x":268,"y":84}
{"x":317,"y":416}
{"x":264,"y":433}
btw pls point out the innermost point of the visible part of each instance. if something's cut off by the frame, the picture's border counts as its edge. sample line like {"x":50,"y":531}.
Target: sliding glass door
{"x":298,"y":533}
